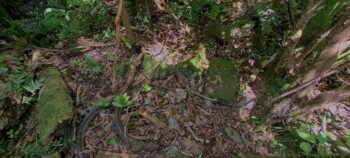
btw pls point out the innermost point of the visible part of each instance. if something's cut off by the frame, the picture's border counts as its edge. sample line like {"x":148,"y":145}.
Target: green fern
{"x":122,"y":101}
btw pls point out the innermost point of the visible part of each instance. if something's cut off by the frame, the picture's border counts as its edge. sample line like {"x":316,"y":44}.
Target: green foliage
{"x":320,"y":142}
{"x":24,"y":85}
{"x":146,"y":87}
{"x":102,"y":102}
{"x":122,"y":101}
{"x":306,"y":147}
{"x":308,"y":136}
{"x":108,"y":33}
{"x":13,"y":134}
{"x":88,"y":64}
{"x":275,"y":85}
{"x":12,"y":32}
{"x":69,"y":19}
{"x":112,"y":141}
{"x":194,"y":10}
{"x":125,"y":41}
{"x":268,"y":19}
{"x":37,"y":149}
{"x":34,"y":86}
{"x":3,"y":68}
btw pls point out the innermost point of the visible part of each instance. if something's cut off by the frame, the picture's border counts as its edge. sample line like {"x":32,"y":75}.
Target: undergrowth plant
{"x":88,"y":64}
{"x":195,"y":10}
{"x":122,"y":101}
{"x":24,"y":86}
{"x":37,"y":149}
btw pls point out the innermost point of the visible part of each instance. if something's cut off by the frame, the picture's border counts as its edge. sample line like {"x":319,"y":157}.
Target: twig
{"x":205,"y":97}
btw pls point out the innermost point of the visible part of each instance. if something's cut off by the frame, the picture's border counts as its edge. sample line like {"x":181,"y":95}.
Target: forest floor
{"x":175,"y":111}
{"x":181,"y":120}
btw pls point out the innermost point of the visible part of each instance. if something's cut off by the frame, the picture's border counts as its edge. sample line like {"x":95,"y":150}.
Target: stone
{"x":222,"y":80}
{"x":55,"y":105}
{"x":194,"y":67}
{"x":177,"y":96}
{"x":233,"y":135}
{"x":191,"y":148}
{"x":153,"y":68}
{"x":173,"y":123}
{"x":161,"y":66}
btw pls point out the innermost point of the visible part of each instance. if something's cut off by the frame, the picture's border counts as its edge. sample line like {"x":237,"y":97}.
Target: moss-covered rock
{"x":222,"y":79}
{"x":194,"y":67}
{"x":189,"y":67}
{"x":55,"y":105}
{"x":153,"y":68}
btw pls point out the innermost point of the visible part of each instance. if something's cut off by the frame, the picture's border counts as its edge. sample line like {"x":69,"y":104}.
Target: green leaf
{"x":348,"y":142}
{"x":122,"y":101}
{"x":3,"y":68}
{"x":306,"y":135}
{"x":34,"y":86}
{"x":127,"y":43}
{"x":26,"y":100}
{"x":102,"y":102}
{"x":306,"y":147}
{"x":322,"y":137}
{"x":112,"y":141}
{"x":146,"y":88}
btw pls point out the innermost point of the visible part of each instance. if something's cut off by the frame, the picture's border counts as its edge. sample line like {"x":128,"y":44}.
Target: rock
{"x":59,"y":45}
{"x":173,"y":124}
{"x":177,"y":96}
{"x":222,"y":80}
{"x":194,"y":67}
{"x":55,"y":106}
{"x":147,"y":100}
{"x":160,"y":67}
{"x":234,"y":135}
{"x":191,"y":148}
{"x":153,"y":68}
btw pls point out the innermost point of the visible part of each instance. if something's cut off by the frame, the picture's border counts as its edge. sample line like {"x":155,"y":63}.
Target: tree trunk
{"x":332,"y":53}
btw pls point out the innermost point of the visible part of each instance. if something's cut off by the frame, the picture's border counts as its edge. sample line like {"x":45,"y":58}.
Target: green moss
{"x":190,"y":68}
{"x":222,"y":79}
{"x":321,"y":20}
{"x":152,"y":68}
{"x":124,"y":67}
{"x":194,"y":67}
{"x":55,"y":104}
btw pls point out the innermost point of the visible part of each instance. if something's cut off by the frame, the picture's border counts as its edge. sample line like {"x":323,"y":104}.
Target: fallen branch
{"x":303,"y":85}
